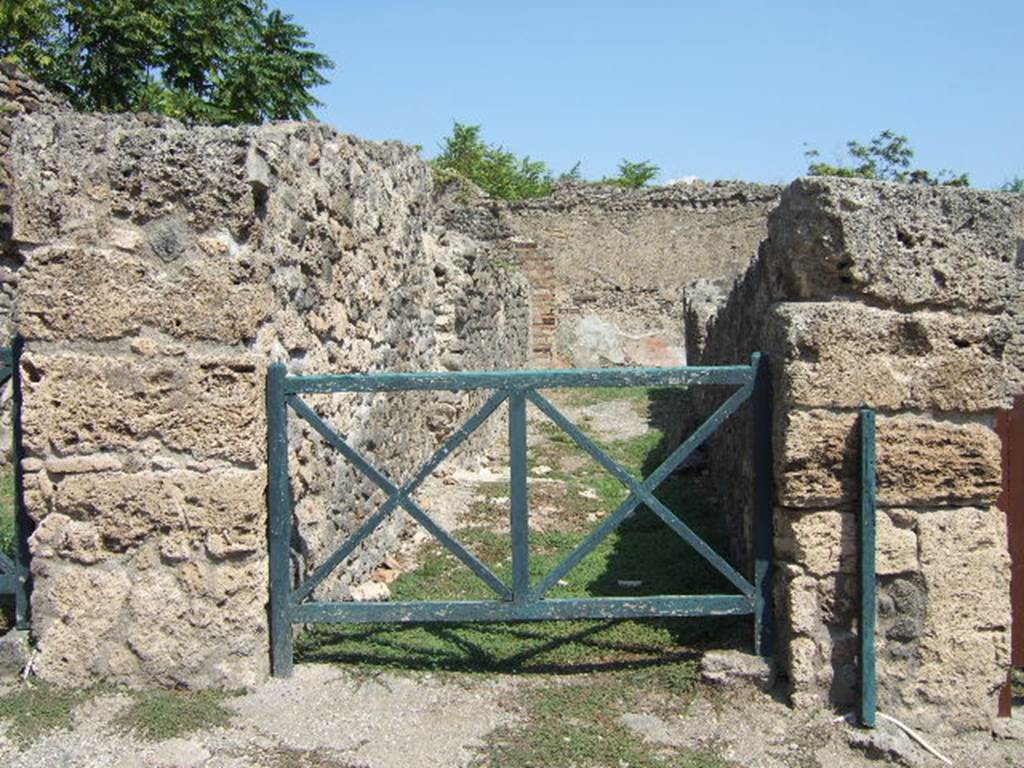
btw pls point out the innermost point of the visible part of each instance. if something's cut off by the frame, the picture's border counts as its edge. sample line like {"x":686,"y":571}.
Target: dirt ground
{"x":624,"y":713}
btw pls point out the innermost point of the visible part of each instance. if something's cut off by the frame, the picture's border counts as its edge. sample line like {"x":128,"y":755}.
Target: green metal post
{"x":279,"y":502}
{"x":519,"y":503}
{"x":868,"y":586}
{"x":763,"y":508}
{"x":22,"y":524}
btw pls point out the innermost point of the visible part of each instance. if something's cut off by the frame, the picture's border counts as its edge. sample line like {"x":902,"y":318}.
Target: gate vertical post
{"x":868,"y":586}
{"x":763,"y":508}
{"x":279,"y":524}
{"x":22,"y":524}
{"x":519,"y":501}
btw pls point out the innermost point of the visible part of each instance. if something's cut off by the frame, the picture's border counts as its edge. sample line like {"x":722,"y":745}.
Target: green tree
{"x":215,"y":61}
{"x":634,"y":175}
{"x":495,"y":170}
{"x":1016,"y":184}
{"x":887,"y":157}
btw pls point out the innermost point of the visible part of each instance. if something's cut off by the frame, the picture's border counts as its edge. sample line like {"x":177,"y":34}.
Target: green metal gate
{"x":520,"y":601}
{"x":14,"y":572}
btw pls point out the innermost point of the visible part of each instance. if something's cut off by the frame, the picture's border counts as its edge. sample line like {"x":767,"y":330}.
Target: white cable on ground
{"x":915,"y":736}
{"x":906,"y":729}
{"x":28,"y":667}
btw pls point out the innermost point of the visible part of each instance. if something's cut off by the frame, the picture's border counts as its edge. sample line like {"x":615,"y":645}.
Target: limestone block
{"x":899,"y":244}
{"x":58,"y":167}
{"x":198,"y":172}
{"x":124,"y":510}
{"x":205,"y":407}
{"x":920,"y":461}
{"x":826,"y":542}
{"x":73,"y":608}
{"x":842,"y":354}
{"x":186,"y":624}
{"x":110,"y":294}
{"x":964,"y":650}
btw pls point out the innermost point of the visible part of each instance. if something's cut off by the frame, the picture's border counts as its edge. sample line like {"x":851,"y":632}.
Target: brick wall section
{"x":910,"y":300}
{"x":164,"y":269}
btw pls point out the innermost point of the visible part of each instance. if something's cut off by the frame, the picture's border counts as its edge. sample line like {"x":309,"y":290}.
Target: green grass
{"x":578,"y":724}
{"x":603,"y":668}
{"x":596,"y":395}
{"x":7,"y":512}
{"x":162,"y":715}
{"x":34,"y":709}
{"x":642,"y":549}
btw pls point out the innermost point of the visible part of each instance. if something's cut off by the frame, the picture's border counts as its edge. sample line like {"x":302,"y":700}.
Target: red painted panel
{"x":1010,"y":426}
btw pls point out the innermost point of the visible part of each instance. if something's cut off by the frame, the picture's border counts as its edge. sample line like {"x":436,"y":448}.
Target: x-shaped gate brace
{"x":521,"y":601}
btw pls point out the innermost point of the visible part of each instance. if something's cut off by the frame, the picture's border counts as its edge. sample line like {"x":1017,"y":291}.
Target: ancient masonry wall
{"x":607,"y":265}
{"x":161,"y":270}
{"x":910,"y":300}
{"x":19,"y":95}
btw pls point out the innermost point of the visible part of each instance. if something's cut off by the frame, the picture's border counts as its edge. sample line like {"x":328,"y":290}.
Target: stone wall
{"x":19,"y":95}
{"x":607,"y":265}
{"x":910,"y":300}
{"x":162,"y":268}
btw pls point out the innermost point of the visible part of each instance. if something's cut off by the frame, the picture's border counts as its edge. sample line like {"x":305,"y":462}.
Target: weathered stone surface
{"x":71,"y":631}
{"x":123,"y":510}
{"x":920,"y":461}
{"x":826,"y":542}
{"x":14,"y":653}
{"x":843,"y":355}
{"x":736,"y":668}
{"x":195,"y":408}
{"x":908,"y":300}
{"x":143,"y":291}
{"x":618,"y":257}
{"x":901,"y":245}
{"x":164,"y":267}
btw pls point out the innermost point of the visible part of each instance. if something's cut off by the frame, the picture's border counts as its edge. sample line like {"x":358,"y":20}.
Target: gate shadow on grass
{"x":644,"y":550}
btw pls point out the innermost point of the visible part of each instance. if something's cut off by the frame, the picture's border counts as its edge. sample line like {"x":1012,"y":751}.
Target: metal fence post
{"x":868,"y":586}
{"x":279,"y":502}
{"x":763,"y":508}
{"x":22,"y":524}
{"x":519,"y":502}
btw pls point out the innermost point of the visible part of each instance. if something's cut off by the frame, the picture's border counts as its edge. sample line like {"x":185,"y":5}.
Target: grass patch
{"x":162,"y":715}
{"x":643,"y":549}
{"x":642,"y":557}
{"x":34,"y":709}
{"x":7,"y":512}
{"x":578,"y":724}
{"x":596,"y":395}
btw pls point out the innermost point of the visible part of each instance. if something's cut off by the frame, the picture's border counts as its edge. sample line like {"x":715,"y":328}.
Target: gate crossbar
{"x":521,"y":601}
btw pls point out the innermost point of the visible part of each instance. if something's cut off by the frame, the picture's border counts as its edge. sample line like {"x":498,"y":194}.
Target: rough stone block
{"x":843,"y":355}
{"x":14,"y":653}
{"x":826,"y":542}
{"x":199,"y":623}
{"x":196,"y":409}
{"x":736,"y":668}
{"x":920,"y":461}
{"x":99,"y":514}
{"x":109,"y":294}
{"x":952,"y":679}
{"x":902,"y":245}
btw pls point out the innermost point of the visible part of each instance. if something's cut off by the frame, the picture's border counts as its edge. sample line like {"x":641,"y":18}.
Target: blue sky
{"x":712,"y":89}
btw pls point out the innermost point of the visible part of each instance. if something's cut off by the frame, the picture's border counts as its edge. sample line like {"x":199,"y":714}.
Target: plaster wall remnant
{"x":162,"y":268}
{"x":607,"y":265}
{"x":910,"y":300}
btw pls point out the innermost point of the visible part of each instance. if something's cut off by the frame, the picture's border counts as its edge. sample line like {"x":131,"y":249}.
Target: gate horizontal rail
{"x":520,"y":601}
